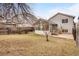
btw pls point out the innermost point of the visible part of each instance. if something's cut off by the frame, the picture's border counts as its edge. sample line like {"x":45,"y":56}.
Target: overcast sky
{"x":46,"y":10}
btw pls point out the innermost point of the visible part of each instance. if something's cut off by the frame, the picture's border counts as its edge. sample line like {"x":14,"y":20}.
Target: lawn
{"x":33,"y":44}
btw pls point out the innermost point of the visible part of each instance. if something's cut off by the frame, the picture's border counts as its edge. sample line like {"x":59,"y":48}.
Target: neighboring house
{"x":13,"y":24}
{"x":2,"y":25}
{"x":6,"y":26}
{"x":10,"y":27}
{"x":61,"y":23}
{"x":41,"y":26}
{"x":25,"y":23}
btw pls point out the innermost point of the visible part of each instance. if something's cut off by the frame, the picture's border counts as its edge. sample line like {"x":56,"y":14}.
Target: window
{"x":54,"y":26}
{"x":64,"y":20}
{"x":65,"y":30}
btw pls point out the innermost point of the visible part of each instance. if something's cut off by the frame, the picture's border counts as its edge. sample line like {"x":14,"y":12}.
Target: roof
{"x":43,"y":20}
{"x":61,"y":14}
{"x":30,"y":17}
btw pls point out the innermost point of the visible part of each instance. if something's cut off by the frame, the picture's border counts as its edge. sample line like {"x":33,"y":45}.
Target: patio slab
{"x":67,"y":36}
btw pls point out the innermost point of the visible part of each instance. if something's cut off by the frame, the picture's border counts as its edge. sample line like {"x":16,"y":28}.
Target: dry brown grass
{"x":32,"y":44}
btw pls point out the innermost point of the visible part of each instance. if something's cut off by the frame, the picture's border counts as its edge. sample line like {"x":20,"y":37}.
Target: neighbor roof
{"x":43,"y":20}
{"x":61,"y":14}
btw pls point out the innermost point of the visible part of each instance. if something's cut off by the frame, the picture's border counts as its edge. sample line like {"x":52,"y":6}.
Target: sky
{"x":46,"y":10}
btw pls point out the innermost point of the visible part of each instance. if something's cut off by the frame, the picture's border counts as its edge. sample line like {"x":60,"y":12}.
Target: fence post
{"x":76,"y":22}
{"x":46,"y":35}
{"x":77,"y":35}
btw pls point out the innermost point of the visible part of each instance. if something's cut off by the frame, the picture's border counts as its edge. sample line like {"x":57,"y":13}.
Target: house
{"x":24,"y":24}
{"x":61,"y":23}
{"x":2,"y":26}
{"x":6,"y":26}
{"x":16,"y":23}
{"x":41,"y":26}
{"x":57,"y":24}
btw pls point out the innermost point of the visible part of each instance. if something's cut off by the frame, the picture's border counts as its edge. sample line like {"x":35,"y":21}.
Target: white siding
{"x":58,"y":20}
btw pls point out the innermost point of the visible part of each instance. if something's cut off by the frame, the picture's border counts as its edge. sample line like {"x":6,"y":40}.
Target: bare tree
{"x":8,"y":10}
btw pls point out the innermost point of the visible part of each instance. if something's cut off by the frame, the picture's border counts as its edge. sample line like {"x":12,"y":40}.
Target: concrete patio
{"x":66,"y":36}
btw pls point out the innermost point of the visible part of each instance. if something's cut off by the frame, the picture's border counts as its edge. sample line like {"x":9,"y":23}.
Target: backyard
{"x":33,"y":45}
